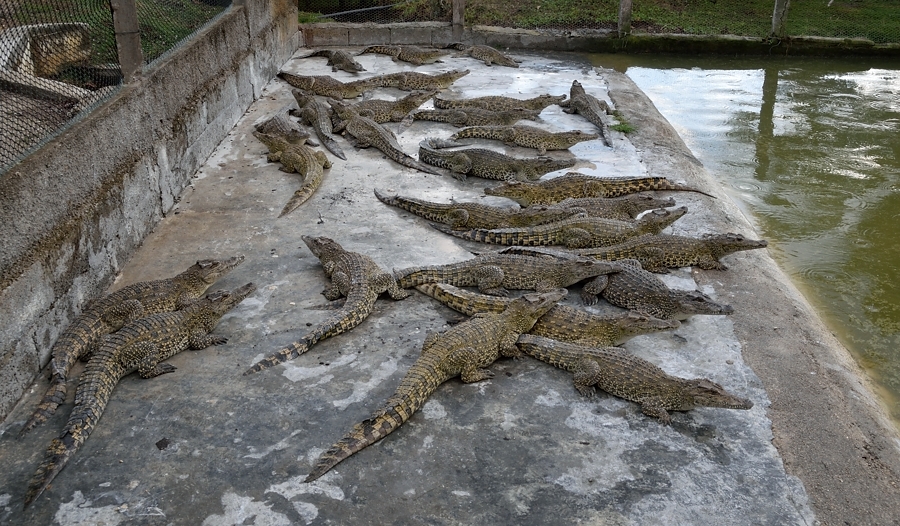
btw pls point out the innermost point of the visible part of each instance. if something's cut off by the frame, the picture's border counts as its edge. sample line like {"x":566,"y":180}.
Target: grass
{"x":623,"y":125}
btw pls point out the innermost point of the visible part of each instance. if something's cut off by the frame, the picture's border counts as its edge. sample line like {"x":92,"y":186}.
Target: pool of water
{"x":810,"y":148}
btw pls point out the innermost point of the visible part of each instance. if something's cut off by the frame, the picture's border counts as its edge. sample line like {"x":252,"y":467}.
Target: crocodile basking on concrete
{"x":622,"y":374}
{"x":589,"y":107}
{"x":412,"y":54}
{"x":111,"y":312}
{"x":623,"y":208}
{"x":526,"y":136}
{"x":326,"y":86}
{"x":366,"y":133}
{"x":486,"y":54}
{"x":574,"y":184}
{"x":413,"y":80}
{"x":496,"y":273}
{"x":317,"y":115}
{"x":476,"y":116}
{"x":634,"y":288}
{"x":658,"y":253}
{"x":382,"y":111}
{"x":355,"y":277}
{"x":338,"y":59}
{"x":299,"y":158}
{"x":477,"y":215}
{"x":141,"y":345}
{"x":562,"y":322}
{"x":488,"y":164}
{"x":281,"y":124}
{"x":500,"y":102}
{"x":575,"y":232}
{"x":464,"y":350}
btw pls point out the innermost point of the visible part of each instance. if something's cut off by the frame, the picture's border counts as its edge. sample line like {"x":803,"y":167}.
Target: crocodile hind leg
{"x":386,"y":282}
{"x":490,"y":280}
{"x":592,"y":289}
{"x":587,"y":374}
{"x":466,"y":359}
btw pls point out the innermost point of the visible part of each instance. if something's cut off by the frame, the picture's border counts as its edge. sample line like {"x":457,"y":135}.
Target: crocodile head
{"x":695,"y":302}
{"x":302,"y":97}
{"x":528,"y":308}
{"x":209,"y":270}
{"x":705,"y":393}
{"x":638,"y":203}
{"x":571,"y":138}
{"x":222,"y":301}
{"x":519,"y":191}
{"x":656,"y":220}
{"x":322,"y":246}
{"x":634,"y":323}
{"x":576,"y":90}
{"x":546,"y":99}
{"x":723,"y":244}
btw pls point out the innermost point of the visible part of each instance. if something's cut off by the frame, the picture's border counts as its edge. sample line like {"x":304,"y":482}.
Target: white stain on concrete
{"x":78,"y":512}
{"x":361,"y":390}
{"x":460,"y":493}
{"x":240,"y":509}
{"x":253,"y":305}
{"x":296,"y":373}
{"x":551,"y":399}
{"x":4,"y":499}
{"x":433,"y":410}
{"x":280,"y":445}
{"x":295,"y":486}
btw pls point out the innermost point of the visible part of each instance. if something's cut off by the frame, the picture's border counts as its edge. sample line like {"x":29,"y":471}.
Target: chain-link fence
{"x":377,"y":11}
{"x":58,"y":58}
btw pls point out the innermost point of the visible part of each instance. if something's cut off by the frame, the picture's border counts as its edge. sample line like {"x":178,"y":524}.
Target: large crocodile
{"x":488,"y":164}
{"x":575,"y":232}
{"x":367,"y":132}
{"x":281,"y":124}
{"x":142,"y":346}
{"x":589,"y":107}
{"x":357,"y":278}
{"x":622,"y":374}
{"x":657,"y":253}
{"x":316,"y":114}
{"x":636,"y":289}
{"x":477,"y":215}
{"x":111,"y":312}
{"x":299,"y":158}
{"x":574,"y":184}
{"x":526,"y":136}
{"x":338,"y":59}
{"x":476,"y":116}
{"x":413,"y":80}
{"x":412,"y":54}
{"x":464,"y":350}
{"x":500,"y":102}
{"x":486,"y":54}
{"x":382,"y":111}
{"x":495,"y":273}
{"x":562,"y":322}
{"x":327,"y":86}
{"x":623,"y":208}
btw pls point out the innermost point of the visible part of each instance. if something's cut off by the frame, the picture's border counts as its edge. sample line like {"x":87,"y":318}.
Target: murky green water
{"x":811,"y":149}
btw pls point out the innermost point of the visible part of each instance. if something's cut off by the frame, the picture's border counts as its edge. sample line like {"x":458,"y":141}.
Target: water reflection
{"x":810,"y":147}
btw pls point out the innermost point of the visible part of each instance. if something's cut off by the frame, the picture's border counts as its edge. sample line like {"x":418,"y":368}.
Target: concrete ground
{"x":205,"y":445}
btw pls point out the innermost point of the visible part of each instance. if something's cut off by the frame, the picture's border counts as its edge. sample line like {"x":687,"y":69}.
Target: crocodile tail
{"x":303,"y":193}
{"x":474,"y":234}
{"x":287,"y":353}
{"x":56,"y":458}
{"x":468,"y":303}
{"x":422,"y":379}
{"x":544,"y":349}
{"x":53,"y":398}
{"x":332,"y":145}
{"x":413,"y":276}
{"x":409,"y":162}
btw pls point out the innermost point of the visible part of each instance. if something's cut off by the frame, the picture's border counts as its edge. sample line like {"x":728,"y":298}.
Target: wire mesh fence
{"x":377,"y":11}
{"x":59,"y":58}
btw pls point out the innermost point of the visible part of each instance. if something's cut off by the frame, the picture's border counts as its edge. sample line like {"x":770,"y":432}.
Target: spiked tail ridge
{"x":53,"y":398}
{"x":332,"y":146}
{"x":419,"y":383}
{"x":303,"y":193}
{"x":56,"y":458}
{"x":286,"y":354}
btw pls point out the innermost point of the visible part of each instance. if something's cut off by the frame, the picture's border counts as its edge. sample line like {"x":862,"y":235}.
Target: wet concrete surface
{"x":205,"y":445}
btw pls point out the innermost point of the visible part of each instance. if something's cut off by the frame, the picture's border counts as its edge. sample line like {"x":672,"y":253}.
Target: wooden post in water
{"x":459,"y":19}
{"x":779,"y":17}
{"x":128,"y":38}
{"x":624,"y":18}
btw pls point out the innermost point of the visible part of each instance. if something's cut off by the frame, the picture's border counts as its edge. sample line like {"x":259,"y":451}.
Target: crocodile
{"x":574,"y":184}
{"x":466,"y":350}
{"x":500,"y":102}
{"x":413,"y":80}
{"x":281,"y":124}
{"x":382,"y":111}
{"x":562,"y":322}
{"x":526,"y":136}
{"x":412,"y":54}
{"x":316,"y":114}
{"x":141,"y":345}
{"x":622,"y":374}
{"x":477,"y":215}
{"x":589,"y":107}
{"x":476,"y":116}
{"x":624,"y":208}
{"x":657,"y":253}
{"x":577,"y":231}
{"x":355,"y":277}
{"x":486,"y":54}
{"x":338,"y":59}
{"x":636,"y":289}
{"x":495,"y":273}
{"x":367,"y":132}
{"x":109,"y":313}
{"x":488,"y":164}
{"x":328,"y":86}
{"x":299,"y":158}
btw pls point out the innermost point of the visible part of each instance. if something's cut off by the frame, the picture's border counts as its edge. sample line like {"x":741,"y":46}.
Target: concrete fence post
{"x":624,"y":18}
{"x":779,"y":17}
{"x":128,"y":38}
{"x":459,"y":19}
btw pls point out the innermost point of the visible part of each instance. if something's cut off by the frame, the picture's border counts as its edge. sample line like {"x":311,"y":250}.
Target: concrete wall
{"x":75,"y":211}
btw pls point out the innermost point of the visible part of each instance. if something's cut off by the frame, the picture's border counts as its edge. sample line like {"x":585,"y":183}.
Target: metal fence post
{"x":128,"y":38}
{"x":779,"y":17}
{"x":459,"y":19}
{"x":624,"y":18}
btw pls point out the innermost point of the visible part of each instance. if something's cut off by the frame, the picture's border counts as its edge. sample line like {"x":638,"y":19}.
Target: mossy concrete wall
{"x":75,"y":210}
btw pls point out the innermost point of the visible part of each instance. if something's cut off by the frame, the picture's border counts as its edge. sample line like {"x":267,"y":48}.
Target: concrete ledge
{"x":76,"y":209}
